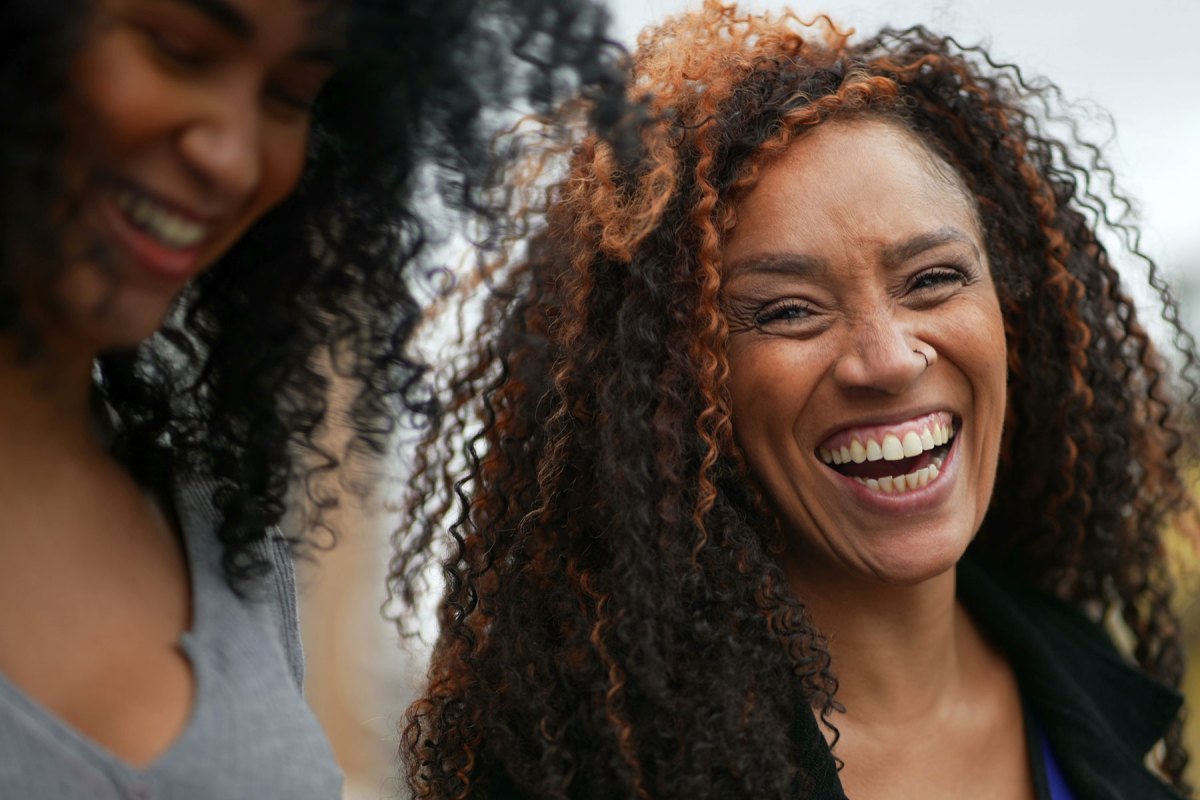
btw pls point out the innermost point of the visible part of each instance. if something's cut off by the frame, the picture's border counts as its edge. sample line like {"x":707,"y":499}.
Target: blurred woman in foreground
{"x":814,"y":452}
{"x":206,"y":217}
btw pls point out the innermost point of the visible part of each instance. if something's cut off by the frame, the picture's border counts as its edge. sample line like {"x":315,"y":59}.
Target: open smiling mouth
{"x":168,"y":227}
{"x":904,"y":458}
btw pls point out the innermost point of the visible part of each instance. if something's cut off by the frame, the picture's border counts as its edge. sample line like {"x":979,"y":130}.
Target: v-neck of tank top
{"x":189,"y":646}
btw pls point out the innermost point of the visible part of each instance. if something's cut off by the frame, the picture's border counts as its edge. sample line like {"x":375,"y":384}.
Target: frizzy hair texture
{"x":237,"y":385}
{"x":615,"y":623}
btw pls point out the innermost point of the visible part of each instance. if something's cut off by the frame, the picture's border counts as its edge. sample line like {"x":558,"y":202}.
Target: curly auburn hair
{"x":328,"y":285}
{"x":613,"y":577}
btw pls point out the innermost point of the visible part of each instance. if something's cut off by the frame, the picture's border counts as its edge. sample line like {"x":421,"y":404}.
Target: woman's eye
{"x":936,"y":279}
{"x":294,"y":93}
{"x":176,"y":49}
{"x":789,"y":311}
{"x":291,"y":103}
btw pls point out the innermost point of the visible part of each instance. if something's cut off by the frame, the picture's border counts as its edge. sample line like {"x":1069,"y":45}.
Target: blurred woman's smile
{"x":161,"y":237}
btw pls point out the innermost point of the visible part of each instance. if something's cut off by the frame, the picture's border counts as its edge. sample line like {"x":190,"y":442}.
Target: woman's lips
{"x":894,"y":457}
{"x":890,"y":442}
{"x":157,"y":238}
{"x":924,"y":486}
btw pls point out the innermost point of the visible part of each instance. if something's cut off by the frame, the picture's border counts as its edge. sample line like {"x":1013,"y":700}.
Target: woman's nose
{"x":223,"y":146}
{"x":879,"y":354}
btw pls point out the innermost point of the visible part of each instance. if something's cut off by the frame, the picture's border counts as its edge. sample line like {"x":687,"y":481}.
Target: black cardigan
{"x":1100,"y":715}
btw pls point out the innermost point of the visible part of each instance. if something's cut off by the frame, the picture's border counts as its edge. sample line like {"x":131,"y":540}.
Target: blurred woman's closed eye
{"x":292,"y":93}
{"x":179,"y":35}
{"x":174,"y":49}
{"x":289,"y":105}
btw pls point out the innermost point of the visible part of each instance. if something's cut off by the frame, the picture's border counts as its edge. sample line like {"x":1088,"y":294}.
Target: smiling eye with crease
{"x":785,"y":311}
{"x":938,"y":277}
{"x":934,"y":285}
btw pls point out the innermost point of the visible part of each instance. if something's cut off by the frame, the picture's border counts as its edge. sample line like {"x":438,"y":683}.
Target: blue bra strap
{"x":1054,"y":777}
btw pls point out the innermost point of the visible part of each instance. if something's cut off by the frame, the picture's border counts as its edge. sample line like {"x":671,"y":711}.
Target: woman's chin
{"x":912,"y":563}
{"x":912,"y":572}
{"x":98,"y":314}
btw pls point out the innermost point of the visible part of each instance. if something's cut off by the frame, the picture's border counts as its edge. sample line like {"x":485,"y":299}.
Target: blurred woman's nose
{"x":223,"y":144}
{"x":879,"y":354}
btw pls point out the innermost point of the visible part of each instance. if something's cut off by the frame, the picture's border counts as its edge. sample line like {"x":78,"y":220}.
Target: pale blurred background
{"x":1135,"y":61}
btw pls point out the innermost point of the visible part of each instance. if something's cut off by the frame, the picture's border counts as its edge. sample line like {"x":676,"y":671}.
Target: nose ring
{"x":922,"y":354}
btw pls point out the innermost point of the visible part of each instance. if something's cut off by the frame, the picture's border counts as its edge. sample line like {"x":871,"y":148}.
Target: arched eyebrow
{"x":910,"y":248}
{"x":793,"y":264}
{"x":806,"y":266}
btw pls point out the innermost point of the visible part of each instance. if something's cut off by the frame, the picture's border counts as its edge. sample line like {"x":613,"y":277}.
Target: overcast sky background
{"x":1137,"y":61}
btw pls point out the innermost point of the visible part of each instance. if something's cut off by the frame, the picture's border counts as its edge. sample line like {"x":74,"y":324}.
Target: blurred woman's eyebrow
{"x":224,"y":14}
{"x":238,"y":25}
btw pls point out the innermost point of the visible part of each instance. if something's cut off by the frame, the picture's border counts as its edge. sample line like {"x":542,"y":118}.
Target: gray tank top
{"x":249,"y":735}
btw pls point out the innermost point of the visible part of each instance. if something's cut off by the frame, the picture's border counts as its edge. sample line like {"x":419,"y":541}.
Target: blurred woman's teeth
{"x":170,"y":229}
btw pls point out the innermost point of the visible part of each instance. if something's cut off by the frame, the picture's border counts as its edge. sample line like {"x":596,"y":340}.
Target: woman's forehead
{"x":863,"y":181}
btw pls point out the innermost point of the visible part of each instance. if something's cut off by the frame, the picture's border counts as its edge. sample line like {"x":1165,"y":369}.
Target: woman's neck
{"x":900,"y":653}
{"x":930,"y":705}
{"x":45,"y":410}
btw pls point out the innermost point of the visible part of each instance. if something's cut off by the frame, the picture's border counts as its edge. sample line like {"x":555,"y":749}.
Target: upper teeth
{"x":173,"y":230}
{"x":893,"y":447}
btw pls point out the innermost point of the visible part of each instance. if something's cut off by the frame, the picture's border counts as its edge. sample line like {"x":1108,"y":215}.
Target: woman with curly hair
{"x":207,"y":213}
{"x":822,"y":454}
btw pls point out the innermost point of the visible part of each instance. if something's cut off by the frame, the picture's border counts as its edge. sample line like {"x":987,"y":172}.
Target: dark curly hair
{"x":615,"y":623}
{"x":327,"y":287}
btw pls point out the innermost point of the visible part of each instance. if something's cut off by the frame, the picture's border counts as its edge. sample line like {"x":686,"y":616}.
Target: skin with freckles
{"x":852,"y":252}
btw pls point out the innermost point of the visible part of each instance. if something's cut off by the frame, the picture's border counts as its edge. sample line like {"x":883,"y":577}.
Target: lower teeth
{"x":896,"y":484}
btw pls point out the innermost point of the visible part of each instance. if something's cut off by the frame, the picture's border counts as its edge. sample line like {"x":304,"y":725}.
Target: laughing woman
{"x":204,"y":215}
{"x":821,"y":456}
